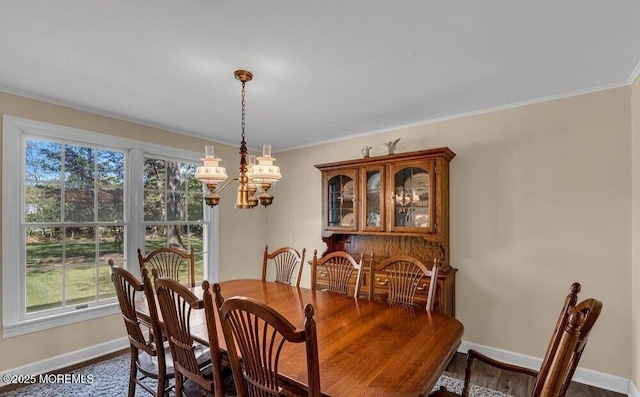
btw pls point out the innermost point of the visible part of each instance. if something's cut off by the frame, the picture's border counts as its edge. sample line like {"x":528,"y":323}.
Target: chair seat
{"x":148,"y":365}
{"x":192,"y":389}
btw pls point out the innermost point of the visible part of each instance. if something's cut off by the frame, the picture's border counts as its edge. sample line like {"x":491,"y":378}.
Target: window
{"x":74,"y":199}
{"x":173,"y":210}
{"x":73,"y":223}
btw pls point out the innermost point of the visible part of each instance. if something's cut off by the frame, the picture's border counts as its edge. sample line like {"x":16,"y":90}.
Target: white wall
{"x":635,"y":280}
{"x":242,"y":232}
{"x":540,"y":197}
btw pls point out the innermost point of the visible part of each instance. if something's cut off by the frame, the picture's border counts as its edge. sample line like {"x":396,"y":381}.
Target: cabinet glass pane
{"x":411,"y":189}
{"x":373,"y":199}
{"x":341,"y":191}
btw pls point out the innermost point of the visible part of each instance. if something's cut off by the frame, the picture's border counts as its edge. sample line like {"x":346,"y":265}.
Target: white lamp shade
{"x":265,"y":171}
{"x":211,"y":172}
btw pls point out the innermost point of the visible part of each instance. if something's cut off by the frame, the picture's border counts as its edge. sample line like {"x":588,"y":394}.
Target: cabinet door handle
{"x":385,"y":282}
{"x":322,"y":273}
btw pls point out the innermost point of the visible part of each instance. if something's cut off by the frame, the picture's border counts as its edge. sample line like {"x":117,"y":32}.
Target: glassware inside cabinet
{"x":373,"y":200}
{"x":411,"y":198}
{"x":341,"y":201}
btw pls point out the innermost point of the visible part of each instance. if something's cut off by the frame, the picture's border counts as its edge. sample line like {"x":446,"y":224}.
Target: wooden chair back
{"x":567,"y":343}
{"x":128,"y":289}
{"x":177,"y":303}
{"x":285,"y":260}
{"x":259,"y":333}
{"x":405,"y":276}
{"x":339,"y":266}
{"x":170,"y":262}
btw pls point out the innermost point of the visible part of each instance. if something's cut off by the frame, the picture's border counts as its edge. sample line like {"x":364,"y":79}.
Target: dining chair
{"x":258,"y":333}
{"x":177,"y":304}
{"x":170,"y":262}
{"x":567,"y":344}
{"x":404,"y":277}
{"x":285,"y":260}
{"x":339,"y":267}
{"x":148,"y":355}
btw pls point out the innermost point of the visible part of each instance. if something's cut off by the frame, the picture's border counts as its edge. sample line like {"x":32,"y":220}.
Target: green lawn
{"x":82,"y":284}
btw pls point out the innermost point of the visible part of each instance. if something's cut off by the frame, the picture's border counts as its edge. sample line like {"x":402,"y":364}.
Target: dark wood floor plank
{"x":515,"y":384}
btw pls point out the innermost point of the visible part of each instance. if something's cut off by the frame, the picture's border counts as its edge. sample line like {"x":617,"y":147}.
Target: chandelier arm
{"x":221,"y":187}
{"x":257,"y":185}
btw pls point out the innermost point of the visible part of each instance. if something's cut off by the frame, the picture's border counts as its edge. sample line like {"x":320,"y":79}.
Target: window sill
{"x":58,"y":320}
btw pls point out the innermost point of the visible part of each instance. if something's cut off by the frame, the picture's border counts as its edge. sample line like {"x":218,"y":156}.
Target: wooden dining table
{"x":366,"y":348}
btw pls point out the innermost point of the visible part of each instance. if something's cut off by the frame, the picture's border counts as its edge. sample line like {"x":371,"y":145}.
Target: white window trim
{"x":12,"y":278}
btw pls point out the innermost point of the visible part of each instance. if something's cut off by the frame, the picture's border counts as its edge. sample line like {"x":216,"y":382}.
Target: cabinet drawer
{"x":322,"y":280}
{"x":382,"y":282}
{"x":382,"y":288}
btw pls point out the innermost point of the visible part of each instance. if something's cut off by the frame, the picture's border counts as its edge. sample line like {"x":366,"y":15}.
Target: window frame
{"x":14,"y":320}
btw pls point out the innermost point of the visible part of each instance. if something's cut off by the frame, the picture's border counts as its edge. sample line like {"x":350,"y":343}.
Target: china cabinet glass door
{"x":341,"y":201}
{"x":374,"y":214}
{"x":412,"y":192}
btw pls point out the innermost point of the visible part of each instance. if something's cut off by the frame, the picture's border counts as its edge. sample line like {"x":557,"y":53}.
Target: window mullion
{"x":96,"y":227}
{"x":63,"y":218}
{"x":136,"y":209}
{"x":64,"y":266}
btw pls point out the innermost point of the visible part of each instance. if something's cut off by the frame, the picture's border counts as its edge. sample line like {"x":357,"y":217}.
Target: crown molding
{"x":116,"y":116}
{"x":347,"y":136}
{"x":634,"y":75}
{"x":470,"y":113}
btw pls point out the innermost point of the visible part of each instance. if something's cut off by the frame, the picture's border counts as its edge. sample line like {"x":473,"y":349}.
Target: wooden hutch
{"x":391,"y":205}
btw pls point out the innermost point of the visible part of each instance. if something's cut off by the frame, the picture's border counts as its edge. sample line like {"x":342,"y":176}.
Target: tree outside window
{"x":173,"y":208}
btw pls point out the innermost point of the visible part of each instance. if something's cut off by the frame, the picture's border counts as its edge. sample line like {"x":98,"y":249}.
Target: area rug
{"x":455,"y":386}
{"x":110,"y":378}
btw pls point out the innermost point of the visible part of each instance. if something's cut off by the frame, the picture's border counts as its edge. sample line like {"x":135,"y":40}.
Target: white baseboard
{"x":589,"y":377}
{"x":65,"y":360}
{"x":586,"y":376}
{"x":633,"y":390}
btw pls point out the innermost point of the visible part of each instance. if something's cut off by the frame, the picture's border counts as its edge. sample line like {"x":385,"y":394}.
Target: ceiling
{"x":322,"y":70}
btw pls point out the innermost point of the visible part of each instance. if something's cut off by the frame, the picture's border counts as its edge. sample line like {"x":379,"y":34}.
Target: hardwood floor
{"x":517,"y":385}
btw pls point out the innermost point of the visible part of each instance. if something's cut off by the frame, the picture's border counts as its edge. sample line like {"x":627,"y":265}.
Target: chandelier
{"x":254,"y":177}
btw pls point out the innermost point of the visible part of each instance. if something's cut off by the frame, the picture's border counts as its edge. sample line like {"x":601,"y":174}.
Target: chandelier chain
{"x":243,"y":104}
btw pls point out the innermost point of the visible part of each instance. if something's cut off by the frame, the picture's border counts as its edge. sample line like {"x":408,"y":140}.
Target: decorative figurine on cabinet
{"x":391,"y":146}
{"x":365,"y":151}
